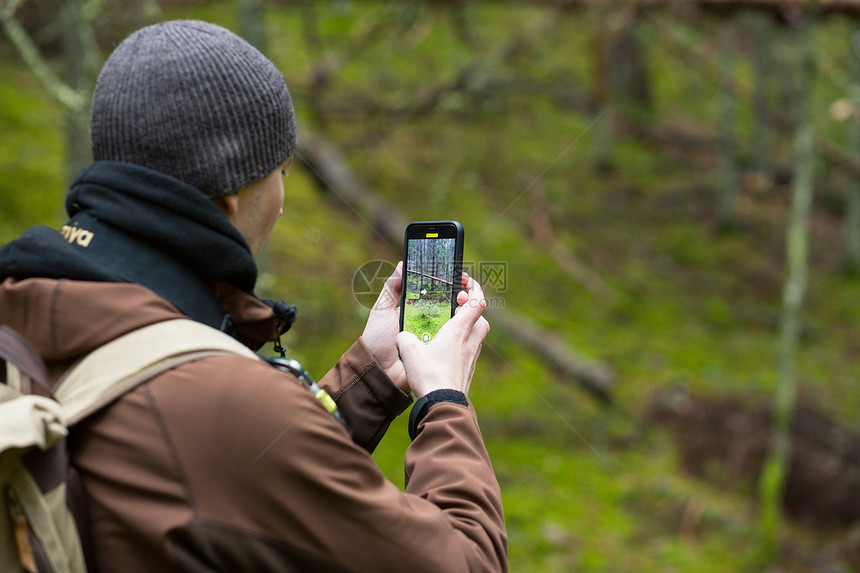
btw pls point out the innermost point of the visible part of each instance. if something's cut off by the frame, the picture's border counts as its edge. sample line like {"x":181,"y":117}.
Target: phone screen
{"x":432,"y":263}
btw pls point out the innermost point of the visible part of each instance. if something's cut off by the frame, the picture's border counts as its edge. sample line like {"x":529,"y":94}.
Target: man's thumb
{"x":404,"y":340}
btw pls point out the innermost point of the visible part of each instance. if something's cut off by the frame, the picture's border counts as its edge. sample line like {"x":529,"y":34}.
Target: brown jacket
{"x":226,"y":464}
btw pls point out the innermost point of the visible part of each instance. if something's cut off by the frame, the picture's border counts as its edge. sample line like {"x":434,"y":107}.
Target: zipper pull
{"x":280,"y":349}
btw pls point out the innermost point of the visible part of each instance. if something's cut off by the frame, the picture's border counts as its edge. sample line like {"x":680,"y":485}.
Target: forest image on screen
{"x":429,"y":275}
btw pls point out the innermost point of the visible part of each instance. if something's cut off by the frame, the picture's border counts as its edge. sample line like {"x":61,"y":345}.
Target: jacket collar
{"x":133,"y":225}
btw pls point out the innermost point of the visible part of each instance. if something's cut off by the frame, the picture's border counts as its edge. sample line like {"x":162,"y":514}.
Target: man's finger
{"x":478,"y":333}
{"x":462,"y":297}
{"x":473,"y":308}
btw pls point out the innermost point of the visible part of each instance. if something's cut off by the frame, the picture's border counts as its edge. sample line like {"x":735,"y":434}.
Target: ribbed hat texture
{"x":196,"y":102}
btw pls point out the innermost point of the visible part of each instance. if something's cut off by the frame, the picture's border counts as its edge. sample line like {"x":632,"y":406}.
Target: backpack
{"x":38,"y":532}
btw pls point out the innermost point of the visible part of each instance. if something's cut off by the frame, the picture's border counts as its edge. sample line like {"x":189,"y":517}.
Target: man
{"x":225,"y":463}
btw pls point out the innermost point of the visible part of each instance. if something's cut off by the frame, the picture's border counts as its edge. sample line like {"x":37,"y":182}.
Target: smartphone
{"x":432,"y":271}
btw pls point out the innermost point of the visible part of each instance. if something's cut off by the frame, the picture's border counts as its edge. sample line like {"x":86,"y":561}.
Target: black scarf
{"x":131,"y":224}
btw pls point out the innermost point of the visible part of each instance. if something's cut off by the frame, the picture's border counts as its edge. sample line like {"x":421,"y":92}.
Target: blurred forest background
{"x":661,"y":198}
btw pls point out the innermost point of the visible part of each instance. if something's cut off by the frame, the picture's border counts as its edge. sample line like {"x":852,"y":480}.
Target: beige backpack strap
{"x":117,"y":367}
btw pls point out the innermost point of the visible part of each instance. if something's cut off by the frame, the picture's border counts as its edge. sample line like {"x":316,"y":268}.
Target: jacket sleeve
{"x":365,"y":395}
{"x":448,"y":519}
{"x":448,"y":464}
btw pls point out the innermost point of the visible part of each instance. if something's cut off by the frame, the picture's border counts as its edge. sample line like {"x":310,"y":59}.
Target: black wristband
{"x":422,"y":406}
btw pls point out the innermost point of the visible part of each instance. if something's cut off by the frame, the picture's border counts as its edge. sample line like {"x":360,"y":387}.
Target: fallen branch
{"x":431,"y":277}
{"x":595,"y":376}
{"x":325,"y":162}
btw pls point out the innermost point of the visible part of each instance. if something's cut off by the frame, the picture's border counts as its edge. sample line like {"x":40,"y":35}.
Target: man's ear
{"x":229,"y":204}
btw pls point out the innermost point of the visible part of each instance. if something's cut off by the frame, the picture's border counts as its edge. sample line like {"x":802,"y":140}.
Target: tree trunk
{"x":252,"y":24}
{"x":726,"y":212}
{"x":852,"y":223}
{"x":81,"y":60}
{"x":631,"y":84}
{"x":762,"y":33}
{"x":605,"y":125}
{"x":775,"y":471}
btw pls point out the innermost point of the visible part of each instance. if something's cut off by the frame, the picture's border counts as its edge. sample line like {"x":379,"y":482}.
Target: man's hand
{"x":382,"y":327}
{"x":448,"y":361}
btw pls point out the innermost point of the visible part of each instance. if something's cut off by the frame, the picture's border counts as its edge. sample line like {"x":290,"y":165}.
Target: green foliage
{"x":425,"y":316}
{"x":31,"y":167}
{"x":692,"y":304}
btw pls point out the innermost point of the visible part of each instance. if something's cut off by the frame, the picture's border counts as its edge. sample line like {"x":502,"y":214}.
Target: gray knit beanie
{"x":194,"y":101}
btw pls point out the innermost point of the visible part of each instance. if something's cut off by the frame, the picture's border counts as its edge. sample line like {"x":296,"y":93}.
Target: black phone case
{"x":418,"y":230}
